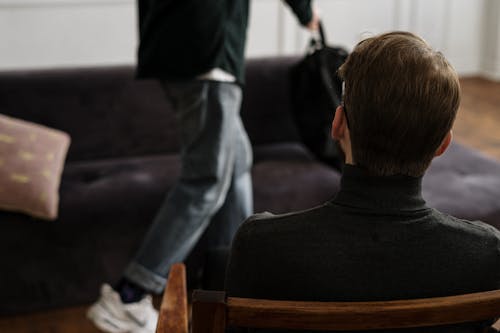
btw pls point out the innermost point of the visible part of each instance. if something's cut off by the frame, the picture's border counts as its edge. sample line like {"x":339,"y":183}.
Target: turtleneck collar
{"x":380,"y":193}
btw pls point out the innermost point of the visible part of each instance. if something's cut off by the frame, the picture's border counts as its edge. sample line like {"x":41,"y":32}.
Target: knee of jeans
{"x":209,"y":169}
{"x":243,"y":158}
{"x":217,"y":195}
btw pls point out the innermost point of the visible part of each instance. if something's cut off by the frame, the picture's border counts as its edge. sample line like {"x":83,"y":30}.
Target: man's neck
{"x":381,"y":193}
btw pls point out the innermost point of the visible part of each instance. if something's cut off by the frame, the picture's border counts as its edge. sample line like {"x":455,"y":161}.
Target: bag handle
{"x":318,"y":40}
{"x":322,"y":35}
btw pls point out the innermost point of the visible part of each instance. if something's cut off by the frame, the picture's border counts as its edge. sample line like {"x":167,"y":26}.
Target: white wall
{"x":455,"y":27}
{"x":490,"y":60}
{"x":55,"y":33}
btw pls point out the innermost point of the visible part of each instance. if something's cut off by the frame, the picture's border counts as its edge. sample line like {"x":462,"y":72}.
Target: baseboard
{"x":490,"y":70}
{"x":465,"y":65}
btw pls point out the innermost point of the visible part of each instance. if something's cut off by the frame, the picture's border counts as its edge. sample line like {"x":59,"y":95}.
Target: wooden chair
{"x":213,"y":312}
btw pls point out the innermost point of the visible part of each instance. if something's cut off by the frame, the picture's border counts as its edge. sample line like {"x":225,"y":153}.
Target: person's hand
{"x":313,"y":25}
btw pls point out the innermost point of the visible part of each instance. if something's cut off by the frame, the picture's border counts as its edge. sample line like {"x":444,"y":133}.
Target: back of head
{"x":400,"y":99}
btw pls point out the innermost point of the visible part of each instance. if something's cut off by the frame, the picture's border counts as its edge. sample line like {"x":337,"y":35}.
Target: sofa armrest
{"x":173,"y":316}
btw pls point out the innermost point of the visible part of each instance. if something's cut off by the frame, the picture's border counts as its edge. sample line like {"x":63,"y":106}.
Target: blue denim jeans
{"x":214,"y":186}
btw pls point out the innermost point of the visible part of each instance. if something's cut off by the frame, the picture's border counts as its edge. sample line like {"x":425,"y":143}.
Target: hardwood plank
{"x":68,"y":320}
{"x":478,"y":119}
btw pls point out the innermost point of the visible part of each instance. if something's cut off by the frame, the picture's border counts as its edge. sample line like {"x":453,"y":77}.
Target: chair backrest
{"x":213,"y":312}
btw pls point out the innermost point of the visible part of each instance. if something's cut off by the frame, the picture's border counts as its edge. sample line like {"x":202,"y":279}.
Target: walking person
{"x":196,"y":51}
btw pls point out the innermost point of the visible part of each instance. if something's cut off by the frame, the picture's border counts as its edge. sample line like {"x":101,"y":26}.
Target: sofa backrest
{"x":267,"y":103}
{"x":109,"y":114}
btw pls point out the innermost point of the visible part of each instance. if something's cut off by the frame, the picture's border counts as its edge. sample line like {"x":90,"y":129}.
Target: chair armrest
{"x":173,"y":316}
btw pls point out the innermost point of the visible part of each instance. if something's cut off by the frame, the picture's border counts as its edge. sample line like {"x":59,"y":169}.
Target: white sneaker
{"x":111,"y":315}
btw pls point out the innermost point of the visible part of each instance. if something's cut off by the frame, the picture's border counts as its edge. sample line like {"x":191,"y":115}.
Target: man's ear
{"x":339,"y":124}
{"x":444,"y":144}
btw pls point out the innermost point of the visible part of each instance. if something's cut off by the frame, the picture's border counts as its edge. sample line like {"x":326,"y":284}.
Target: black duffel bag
{"x":316,"y":93}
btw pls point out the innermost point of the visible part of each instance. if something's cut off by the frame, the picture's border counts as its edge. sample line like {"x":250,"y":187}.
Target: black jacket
{"x":180,"y":39}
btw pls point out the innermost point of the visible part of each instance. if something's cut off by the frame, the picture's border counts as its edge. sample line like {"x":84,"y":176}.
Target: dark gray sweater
{"x":376,"y":240}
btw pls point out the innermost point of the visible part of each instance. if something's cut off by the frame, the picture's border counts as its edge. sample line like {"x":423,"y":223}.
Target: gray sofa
{"x":124,"y":157}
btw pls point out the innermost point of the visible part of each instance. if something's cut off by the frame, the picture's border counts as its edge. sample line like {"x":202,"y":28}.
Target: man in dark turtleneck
{"x":376,"y":239}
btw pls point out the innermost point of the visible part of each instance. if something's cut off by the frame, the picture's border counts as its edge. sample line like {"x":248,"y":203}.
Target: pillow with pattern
{"x":31,"y":162}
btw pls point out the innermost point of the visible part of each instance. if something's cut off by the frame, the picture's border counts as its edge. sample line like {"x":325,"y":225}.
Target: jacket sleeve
{"x":302,"y":9}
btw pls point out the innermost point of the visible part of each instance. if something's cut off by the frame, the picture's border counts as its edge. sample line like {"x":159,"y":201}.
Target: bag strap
{"x":322,"y":35}
{"x":319,"y":45}
{"x":328,"y":82}
{"x":326,"y":77}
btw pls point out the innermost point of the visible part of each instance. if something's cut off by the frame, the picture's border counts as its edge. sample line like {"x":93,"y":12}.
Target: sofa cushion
{"x":287,"y":178}
{"x":31,"y":162}
{"x":267,"y":102}
{"x":120,"y":190}
{"x":465,"y":184}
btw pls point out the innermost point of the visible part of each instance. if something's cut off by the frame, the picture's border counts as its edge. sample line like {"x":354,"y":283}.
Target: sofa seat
{"x":131,"y":188}
{"x":466,"y":184}
{"x":115,"y":189}
{"x":294,"y":179}
{"x":107,"y":206}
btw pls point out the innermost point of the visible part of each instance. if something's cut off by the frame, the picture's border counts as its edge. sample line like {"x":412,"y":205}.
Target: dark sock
{"x":129,"y":291}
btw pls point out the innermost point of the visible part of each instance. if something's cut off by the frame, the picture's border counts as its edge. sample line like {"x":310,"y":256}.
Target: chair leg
{"x":209,"y":311}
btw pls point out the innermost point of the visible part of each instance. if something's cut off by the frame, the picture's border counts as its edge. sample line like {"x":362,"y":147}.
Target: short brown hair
{"x":401,"y":98}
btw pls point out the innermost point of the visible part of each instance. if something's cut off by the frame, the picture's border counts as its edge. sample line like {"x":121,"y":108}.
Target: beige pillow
{"x":31,"y":162}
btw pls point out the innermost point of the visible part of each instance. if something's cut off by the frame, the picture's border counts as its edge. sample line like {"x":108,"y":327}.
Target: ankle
{"x":129,"y":291}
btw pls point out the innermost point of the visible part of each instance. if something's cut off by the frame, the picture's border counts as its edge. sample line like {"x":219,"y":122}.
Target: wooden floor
{"x":477,"y":126}
{"x":70,"y":320}
{"x":478,"y":120}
